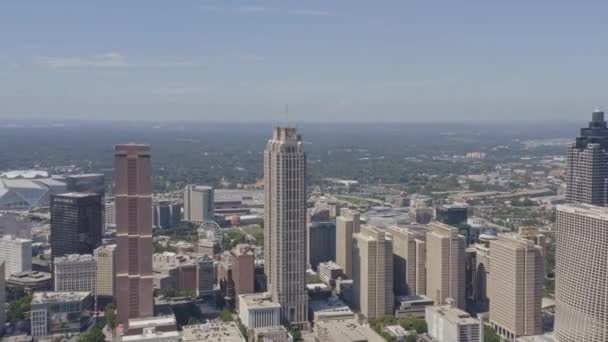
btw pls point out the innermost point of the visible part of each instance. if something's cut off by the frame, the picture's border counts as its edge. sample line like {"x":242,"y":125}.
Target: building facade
{"x":321,"y":243}
{"x":516,"y":287}
{"x":449,"y":324}
{"x":285,"y":223}
{"x":409,"y":261}
{"x":16,"y":253}
{"x":60,"y":313}
{"x":347,"y":224}
{"x":2,"y":297}
{"x":74,"y":273}
{"x":133,"y":203}
{"x":198,"y":203}
{"x":581,"y":260}
{"x":259,"y":310}
{"x":373,"y":272}
{"x":104,"y":259}
{"x":445,"y":270}
{"x":587,"y":164}
{"x":76,"y":223}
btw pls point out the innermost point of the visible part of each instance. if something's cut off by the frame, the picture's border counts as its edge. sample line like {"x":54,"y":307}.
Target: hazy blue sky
{"x":337,"y":60}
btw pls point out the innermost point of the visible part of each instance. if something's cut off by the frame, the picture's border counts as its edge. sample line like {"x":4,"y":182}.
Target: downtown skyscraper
{"x":285,"y":223}
{"x":587,"y":164}
{"x":133,"y":202}
{"x":581,"y":260}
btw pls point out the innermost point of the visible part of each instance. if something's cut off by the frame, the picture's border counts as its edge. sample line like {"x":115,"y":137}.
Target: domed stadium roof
{"x":24,"y":174}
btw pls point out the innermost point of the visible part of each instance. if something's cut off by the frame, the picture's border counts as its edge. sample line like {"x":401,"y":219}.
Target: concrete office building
{"x":104,"y":259}
{"x":76,"y":223}
{"x":243,"y":268}
{"x":581,"y":261}
{"x":133,"y":201}
{"x":587,"y":164}
{"x":259,"y":310}
{"x":16,"y":253}
{"x":329,"y":272}
{"x":445,"y":271}
{"x":109,"y":214}
{"x":270,"y":334}
{"x":213,"y":332}
{"x":516,"y":287}
{"x":166,"y":213}
{"x":409,"y":261}
{"x":60,"y":313}
{"x":347,"y":224}
{"x":153,"y":335}
{"x":180,"y":269}
{"x":74,"y":273}
{"x":373,"y":272}
{"x":321,"y":243}
{"x":285,"y":223}
{"x":198,"y":203}
{"x":449,"y":324}
{"x":31,"y":281}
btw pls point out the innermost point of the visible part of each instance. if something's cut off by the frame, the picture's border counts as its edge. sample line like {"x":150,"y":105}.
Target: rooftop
{"x":346,"y":330}
{"x":453,"y":315}
{"x":151,"y":333}
{"x":48,"y":297}
{"x":259,"y":300}
{"x":213,"y":332}
{"x":27,"y":174}
{"x":29,"y":277}
{"x":330,"y":265}
{"x":152,"y":322}
{"x":69,"y":258}
{"x":77,"y":194}
{"x":9,"y":237}
{"x":600,"y":213}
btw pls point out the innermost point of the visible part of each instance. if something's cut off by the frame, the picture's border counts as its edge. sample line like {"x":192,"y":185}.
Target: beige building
{"x":409,"y":261}
{"x":104,"y":258}
{"x":581,"y":260}
{"x":277,"y":333}
{"x":373,"y":272}
{"x":16,"y":253}
{"x":285,"y":223}
{"x":74,"y":273}
{"x":344,"y":330}
{"x":198,"y":203}
{"x":445,"y":259}
{"x":212,"y":332}
{"x":347,"y":224}
{"x":516,"y":287}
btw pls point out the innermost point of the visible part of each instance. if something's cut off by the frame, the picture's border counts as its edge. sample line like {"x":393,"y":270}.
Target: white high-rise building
{"x":16,"y":253}
{"x":285,"y":223}
{"x":198,"y":203}
{"x":74,"y":273}
{"x":581,"y":260}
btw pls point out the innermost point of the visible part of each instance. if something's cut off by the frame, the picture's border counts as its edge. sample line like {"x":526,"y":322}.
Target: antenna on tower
{"x":286,"y":114}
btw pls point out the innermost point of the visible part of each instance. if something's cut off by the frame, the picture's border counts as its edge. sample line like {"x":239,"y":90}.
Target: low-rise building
{"x":397,"y":332}
{"x":412,"y":306}
{"x":344,"y":330}
{"x":449,"y":324}
{"x":258,"y":310}
{"x":331,"y":307}
{"x":162,"y":323}
{"x":270,"y":334}
{"x":31,"y":281}
{"x":212,"y":332}
{"x":152,"y":335}
{"x":329,"y":272}
{"x":60,"y":312}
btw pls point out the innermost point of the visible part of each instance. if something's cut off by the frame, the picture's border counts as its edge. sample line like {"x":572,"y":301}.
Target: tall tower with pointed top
{"x":285,"y":223}
{"x":587,"y":164}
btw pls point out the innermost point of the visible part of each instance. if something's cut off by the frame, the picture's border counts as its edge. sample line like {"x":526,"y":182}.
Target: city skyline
{"x":338,"y":61}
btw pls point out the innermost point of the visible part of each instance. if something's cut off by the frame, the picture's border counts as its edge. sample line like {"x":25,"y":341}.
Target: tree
{"x":413,"y":323}
{"x":16,"y":310}
{"x":412,"y":338}
{"x":489,"y":334}
{"x":93,"y":335}
{"x":295,"y":334}
{"x":226,"y":315}
{"x":110,"y":314}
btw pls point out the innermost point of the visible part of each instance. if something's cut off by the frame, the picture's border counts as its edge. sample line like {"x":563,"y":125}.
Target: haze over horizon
{"x":330,"y":61}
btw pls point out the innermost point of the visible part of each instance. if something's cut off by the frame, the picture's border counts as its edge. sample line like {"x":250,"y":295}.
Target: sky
{"x":338,"y":60}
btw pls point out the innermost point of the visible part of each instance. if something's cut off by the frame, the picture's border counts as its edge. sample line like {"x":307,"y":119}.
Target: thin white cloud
{"x":106,"y":60}
{"x":270,"y":10}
